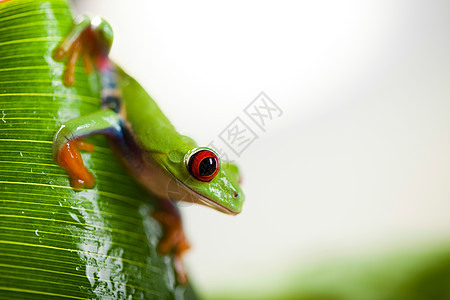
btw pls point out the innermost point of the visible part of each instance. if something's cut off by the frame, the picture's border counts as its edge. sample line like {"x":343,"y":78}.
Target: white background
{"x":360,"y":159}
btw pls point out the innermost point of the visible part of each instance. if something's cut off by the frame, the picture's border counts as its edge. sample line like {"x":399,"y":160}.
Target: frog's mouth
{"x":195,"y":197}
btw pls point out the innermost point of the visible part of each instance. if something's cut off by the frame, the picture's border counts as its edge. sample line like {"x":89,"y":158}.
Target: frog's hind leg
{"x":68,"y":141}
{"x":89,"y":38}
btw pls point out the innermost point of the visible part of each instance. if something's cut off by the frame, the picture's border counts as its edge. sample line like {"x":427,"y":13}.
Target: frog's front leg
{"x":89,"y":38}
{"x":66,"y":145}
{"x":68,"y":141}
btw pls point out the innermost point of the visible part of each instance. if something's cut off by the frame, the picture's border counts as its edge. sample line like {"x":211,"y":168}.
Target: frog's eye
{"x":203,"y":165}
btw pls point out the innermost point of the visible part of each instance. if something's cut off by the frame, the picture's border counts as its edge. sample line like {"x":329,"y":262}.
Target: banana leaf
{"x":56,"y":242}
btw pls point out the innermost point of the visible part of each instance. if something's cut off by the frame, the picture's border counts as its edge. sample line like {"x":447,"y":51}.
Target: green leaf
{"x":56,"y":242}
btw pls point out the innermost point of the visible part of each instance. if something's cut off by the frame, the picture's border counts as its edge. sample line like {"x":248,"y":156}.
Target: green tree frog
{"x":169,"y":165}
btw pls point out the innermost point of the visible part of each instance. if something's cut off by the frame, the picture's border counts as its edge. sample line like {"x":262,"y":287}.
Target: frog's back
{"x":150,"y":126}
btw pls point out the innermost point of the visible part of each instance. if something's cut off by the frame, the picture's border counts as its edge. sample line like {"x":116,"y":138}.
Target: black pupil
{"x":207,"y":166}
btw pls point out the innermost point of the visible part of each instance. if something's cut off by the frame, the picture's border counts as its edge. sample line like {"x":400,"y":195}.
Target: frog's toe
{"x":69,"y":158}
{"x":180,"y":270}
{"x":59,"y":53}
{"x":78,"y":183}
{"x":82,"y":145}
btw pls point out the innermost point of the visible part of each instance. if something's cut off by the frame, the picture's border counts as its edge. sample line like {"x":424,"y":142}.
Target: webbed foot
{"x":69,"y":158}
{"x":90,"y":39}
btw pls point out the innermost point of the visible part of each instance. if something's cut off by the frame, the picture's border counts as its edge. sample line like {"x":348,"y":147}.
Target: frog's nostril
{"x":236,"y":195}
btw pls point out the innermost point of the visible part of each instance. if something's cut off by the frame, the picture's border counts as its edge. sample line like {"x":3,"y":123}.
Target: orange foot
{"x":81,"y":46}
{"x":69,"y":158}
{"x":90,"y":39}
{"x":173,"y":241}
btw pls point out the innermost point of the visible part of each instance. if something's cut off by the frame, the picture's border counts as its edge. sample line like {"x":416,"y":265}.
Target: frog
{"x":168,"y":165}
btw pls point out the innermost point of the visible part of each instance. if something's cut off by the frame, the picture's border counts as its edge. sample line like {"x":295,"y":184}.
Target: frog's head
{"x":200,"y":176}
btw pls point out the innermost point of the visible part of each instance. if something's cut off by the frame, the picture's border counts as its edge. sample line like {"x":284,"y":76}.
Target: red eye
{"x":204,"y":165}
